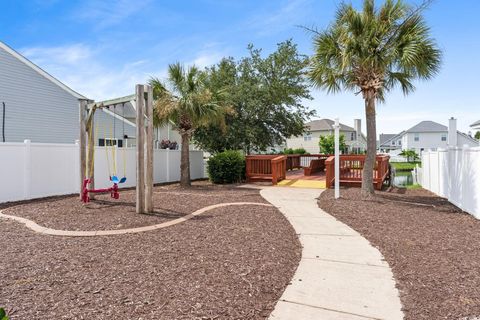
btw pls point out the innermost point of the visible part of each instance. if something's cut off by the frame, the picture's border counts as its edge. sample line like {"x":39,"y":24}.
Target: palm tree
{"x":372,"y":52}
{"x":185,"y":102}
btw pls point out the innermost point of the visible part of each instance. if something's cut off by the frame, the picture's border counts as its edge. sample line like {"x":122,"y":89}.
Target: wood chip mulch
{"x":431,"y":245}
{"x":104,"y":213}
{"x":228,"y":263}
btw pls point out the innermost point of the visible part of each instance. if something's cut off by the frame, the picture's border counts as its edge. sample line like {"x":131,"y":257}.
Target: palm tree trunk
{"x":367,"y":176}
{"x":185,"y":161}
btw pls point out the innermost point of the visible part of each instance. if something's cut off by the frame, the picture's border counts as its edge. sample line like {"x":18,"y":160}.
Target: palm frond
{"x":374,"y":49}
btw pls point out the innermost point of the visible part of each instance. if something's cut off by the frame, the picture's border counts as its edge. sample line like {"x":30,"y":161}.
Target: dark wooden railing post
{"x":274,"y":172}
{"x":329,"y":175}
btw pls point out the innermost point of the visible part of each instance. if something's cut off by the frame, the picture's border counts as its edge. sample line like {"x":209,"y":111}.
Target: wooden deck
{"x":298,"y":174}
{"x":316,"y":171}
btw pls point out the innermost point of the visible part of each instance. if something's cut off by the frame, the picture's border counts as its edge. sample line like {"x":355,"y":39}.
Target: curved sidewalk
{"x":32,"y":225}
{"x":340,"y":276}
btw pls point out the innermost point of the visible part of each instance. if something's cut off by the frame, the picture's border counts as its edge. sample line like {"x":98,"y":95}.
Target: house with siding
{"x":475,"y":125}
{"x":354,"y":138}
{"x":37,"y":106}
{"x":427,"y":135}
{"x":389,"y":142}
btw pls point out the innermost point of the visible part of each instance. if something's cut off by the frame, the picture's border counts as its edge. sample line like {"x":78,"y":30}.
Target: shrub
{"x":3,"y":314}
{"x":226,"y":167}
{"x":295,"y":151}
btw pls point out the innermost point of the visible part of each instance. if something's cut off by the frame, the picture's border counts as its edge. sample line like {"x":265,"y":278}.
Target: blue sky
{"x":102,"y":48}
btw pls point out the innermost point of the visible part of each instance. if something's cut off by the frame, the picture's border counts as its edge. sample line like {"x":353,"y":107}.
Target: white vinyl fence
{"x":35,"y":170}
{"x":454,"y":174}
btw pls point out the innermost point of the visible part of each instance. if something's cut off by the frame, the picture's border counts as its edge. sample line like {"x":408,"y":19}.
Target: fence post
{"x":27,"y":169}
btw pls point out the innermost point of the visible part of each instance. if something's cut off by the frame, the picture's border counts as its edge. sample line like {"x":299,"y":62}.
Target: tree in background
{"x":266,"y":96}
{"x":371,"y":52}
{"x":188,"y":104}
{"x":410,"y":155}
{"x":327,"y":144}
{"x":477,"y":135}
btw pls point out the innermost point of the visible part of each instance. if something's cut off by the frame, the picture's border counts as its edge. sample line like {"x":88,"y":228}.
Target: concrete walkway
{"x":340,"y":276}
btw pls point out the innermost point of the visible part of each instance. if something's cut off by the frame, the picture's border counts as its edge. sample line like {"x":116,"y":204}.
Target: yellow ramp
{"x":297,"y":183}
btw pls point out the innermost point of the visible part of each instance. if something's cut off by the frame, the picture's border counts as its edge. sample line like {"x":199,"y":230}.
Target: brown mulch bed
{"x":228,"y":263}
{"x":105,"y":213}
{"x":431,"y":245}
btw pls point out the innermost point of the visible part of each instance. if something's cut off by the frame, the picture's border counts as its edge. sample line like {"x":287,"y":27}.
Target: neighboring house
{"x":428,"y":135}
{"x":354,"y":139}
{"x":38,"y":106}
{"x":123,"y":109}
{"x":475,"y":125}
{"x":389,"y":142}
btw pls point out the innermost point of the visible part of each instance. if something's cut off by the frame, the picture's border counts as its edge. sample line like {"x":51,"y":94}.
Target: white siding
{"x":312,"y":145}
{"x":432,"y":140}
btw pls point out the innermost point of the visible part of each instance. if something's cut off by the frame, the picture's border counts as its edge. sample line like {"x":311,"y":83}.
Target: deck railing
{"x":266,"y":168}
{"x":298,"y":161}
{"x":351,"y":169}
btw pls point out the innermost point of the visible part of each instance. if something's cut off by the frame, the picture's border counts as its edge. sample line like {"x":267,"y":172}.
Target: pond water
{"x":403,"y":179}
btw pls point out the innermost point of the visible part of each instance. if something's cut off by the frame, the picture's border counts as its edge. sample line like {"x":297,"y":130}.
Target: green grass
{"x":414,"y":186}
{"x":405,"y":166}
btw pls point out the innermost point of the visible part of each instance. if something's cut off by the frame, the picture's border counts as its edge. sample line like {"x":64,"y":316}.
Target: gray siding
{"x":104,"y":124}
{"x":38,"y":109}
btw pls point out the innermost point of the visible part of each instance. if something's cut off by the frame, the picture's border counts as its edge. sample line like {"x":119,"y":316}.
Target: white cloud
{"x":81,"y":68}
{"x":91,"y":73}
{"x":69,"y":54}
{"x":206,"y":59}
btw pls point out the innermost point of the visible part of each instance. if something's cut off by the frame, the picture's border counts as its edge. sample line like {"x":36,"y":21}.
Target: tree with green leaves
{"x":410,"y":155}
{"x":187,"y":103}
{"x":327,"y":144}
{"x":477,"y":135}
{"x":266,"y":95}
{"x":371,"y":52}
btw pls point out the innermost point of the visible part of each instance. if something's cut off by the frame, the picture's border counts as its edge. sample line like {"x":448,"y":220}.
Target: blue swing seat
{"x":116,"y":180}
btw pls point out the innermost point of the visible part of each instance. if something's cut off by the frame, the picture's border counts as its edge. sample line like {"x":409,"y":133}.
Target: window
{"x":353,"y":136}
{"x":444,"y":137}
{"x":307,"y":136}
{"x":416,"y":137}
{"x":110,"y":142}
{"x":399,"y":142}
{"x":393,"y":143}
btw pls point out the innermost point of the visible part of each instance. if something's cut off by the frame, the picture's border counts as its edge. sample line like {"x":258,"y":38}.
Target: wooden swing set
{"x":143,"y":104}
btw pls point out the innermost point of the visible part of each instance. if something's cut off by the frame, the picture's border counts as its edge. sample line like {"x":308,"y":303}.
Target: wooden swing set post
{"x":90,"y":152}
{"x":140,"y":121}
{"x":144,"y":149}
{"x":149,"y":150}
